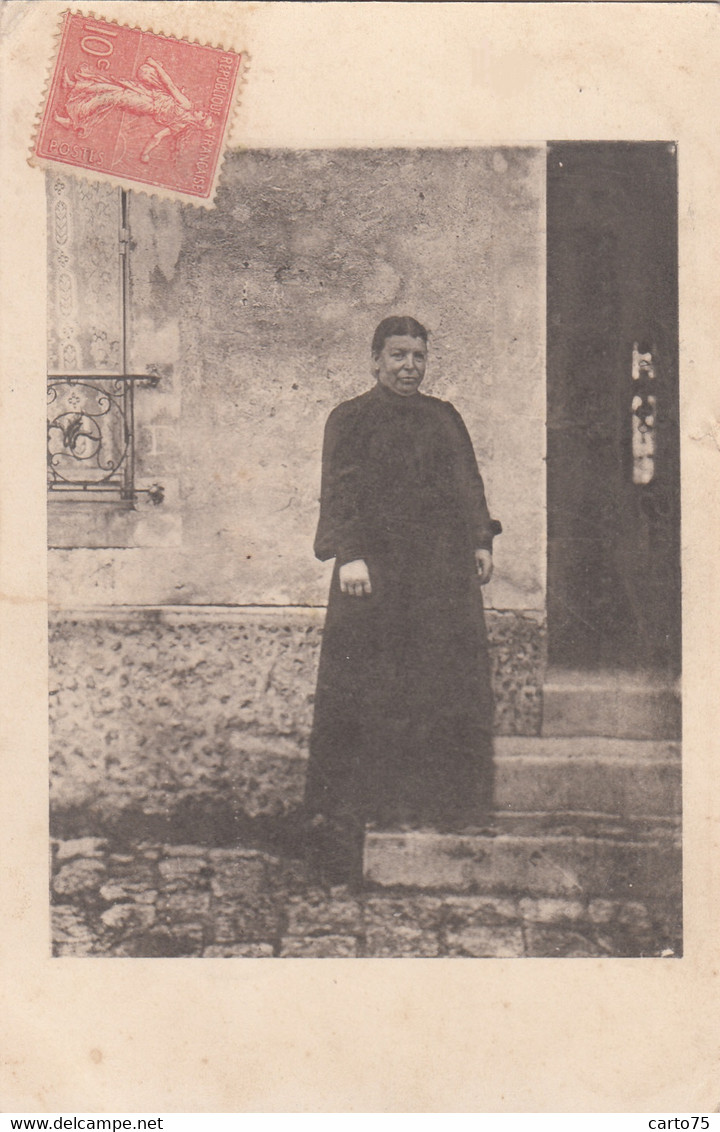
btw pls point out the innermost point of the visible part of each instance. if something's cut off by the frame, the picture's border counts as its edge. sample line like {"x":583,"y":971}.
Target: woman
{"x":403,"y":709}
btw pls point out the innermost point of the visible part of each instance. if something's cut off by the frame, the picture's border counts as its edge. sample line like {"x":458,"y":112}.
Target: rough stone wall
{"x":157,"y":712}
{"x":259,"y":315}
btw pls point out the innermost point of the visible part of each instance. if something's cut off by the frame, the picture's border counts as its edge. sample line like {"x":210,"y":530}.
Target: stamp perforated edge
{"x":138,"y":186}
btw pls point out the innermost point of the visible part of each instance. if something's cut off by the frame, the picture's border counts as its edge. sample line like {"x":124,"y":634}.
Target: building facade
{"x":184,"y":467}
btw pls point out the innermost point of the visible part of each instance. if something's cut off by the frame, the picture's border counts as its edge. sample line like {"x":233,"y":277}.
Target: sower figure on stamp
{"x":90,"y":97}
{"x":402,"y":732}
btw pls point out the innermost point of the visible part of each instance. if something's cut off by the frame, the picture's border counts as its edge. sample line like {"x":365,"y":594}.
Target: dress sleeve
{"x":471,"y":487}
{"x":340,"y":532}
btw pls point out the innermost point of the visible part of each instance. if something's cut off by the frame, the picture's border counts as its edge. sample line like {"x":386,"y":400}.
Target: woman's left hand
{"x":484,"y":563}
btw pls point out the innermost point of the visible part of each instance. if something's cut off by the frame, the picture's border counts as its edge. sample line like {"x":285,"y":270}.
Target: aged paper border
{"x":372,"y":1035}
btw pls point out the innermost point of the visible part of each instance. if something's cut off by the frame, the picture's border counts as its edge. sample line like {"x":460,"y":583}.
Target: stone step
{"x":582,"y":824}
{"x":634,"y":864}
{"x":611,"y":704}
{"x":625,"y":777}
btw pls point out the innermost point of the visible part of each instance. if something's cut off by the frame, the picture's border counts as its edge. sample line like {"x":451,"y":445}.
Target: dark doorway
{"x":613,"y":438}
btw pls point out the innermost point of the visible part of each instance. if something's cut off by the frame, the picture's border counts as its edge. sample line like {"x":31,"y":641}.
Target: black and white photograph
{"x":359,"y":505}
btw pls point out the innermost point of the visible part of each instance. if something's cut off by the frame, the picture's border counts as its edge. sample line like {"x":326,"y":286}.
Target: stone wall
{"x":202,"y":716}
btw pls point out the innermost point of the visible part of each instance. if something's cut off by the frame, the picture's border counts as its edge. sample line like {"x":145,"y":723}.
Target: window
{"x":91,"y":414}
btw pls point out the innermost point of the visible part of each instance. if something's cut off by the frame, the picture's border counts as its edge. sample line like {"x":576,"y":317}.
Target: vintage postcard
{"x":363,"y":607}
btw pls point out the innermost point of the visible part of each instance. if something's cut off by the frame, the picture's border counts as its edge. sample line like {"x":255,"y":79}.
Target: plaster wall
{"x":258,"y":315}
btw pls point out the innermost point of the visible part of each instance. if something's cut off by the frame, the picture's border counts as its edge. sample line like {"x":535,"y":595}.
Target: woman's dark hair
{"x":397,"y":324}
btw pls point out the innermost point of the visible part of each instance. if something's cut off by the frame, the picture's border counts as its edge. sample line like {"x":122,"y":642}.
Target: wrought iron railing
{"x":91,"y":437}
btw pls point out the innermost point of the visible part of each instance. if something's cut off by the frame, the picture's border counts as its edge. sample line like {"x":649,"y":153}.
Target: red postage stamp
{"x":138,"y":109}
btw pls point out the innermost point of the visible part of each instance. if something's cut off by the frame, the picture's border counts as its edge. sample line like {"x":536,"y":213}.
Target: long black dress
{"x":403,"y":708}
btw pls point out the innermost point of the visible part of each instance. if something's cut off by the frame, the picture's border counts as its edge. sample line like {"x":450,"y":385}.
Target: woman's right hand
{"x":354,"y":578}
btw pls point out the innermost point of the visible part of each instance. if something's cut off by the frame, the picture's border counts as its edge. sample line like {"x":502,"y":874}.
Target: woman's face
{"x":400,"y":365}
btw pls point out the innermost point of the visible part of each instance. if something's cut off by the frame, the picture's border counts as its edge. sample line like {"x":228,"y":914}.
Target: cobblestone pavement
{"x":194,"y":901}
